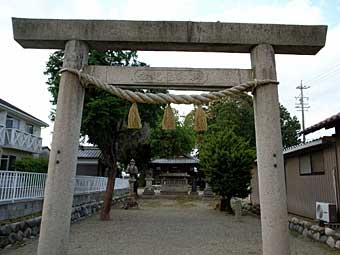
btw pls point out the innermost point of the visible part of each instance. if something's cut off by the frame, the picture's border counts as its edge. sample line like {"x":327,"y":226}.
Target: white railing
{"x":24,"y":185}
{"x":2,"y":134}
{"x":21,"y":140}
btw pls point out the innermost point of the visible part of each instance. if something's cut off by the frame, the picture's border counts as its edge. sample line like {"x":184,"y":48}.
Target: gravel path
{"x":171,"y":227}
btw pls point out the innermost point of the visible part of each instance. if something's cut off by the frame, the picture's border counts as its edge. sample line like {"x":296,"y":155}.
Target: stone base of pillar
{"x":208,"y":191}
{"x":131,"y":203}
{"x":237,"y":207}
{"x":148,"y":191}
{"x":193,"y":193}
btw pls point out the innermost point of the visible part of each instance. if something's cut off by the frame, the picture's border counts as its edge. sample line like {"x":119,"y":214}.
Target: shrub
{"x":30,"y":164}
{"x":227,"y":161}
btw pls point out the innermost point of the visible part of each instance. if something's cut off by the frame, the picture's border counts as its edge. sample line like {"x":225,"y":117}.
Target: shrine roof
{"x":179,"y":160}
{"x":89,"y":152}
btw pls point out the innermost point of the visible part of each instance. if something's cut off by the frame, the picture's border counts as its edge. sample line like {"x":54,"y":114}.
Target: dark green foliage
{"x":234,"y":112}
{"x":226,"y":160}
{"x":30,"y":164}
{"x":237,"y":112}
{"x":172,"y":143}
{"x":290,"y":127}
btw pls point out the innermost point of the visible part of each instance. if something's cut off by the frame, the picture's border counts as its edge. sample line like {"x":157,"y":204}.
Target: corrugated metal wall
{"x":304,"y":191}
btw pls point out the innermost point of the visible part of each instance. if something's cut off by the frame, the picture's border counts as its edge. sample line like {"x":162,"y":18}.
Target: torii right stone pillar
{"x":274,"y":216}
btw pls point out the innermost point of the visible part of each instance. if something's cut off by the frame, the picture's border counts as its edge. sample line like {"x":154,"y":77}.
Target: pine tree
{"x":226,"y":160}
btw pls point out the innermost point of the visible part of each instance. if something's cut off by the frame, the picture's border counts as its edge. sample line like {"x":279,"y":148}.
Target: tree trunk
{"x":105,"y":213}
{"x":225,"y":205}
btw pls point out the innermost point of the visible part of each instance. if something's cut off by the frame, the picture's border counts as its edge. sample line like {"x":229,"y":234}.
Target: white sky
{"x":23,"y":82}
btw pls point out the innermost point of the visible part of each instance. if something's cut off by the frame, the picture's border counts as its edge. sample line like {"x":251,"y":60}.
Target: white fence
{"x":24,"y":185}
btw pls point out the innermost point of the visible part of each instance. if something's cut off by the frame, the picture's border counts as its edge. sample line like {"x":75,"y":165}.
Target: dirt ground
{"x":171,"y":226}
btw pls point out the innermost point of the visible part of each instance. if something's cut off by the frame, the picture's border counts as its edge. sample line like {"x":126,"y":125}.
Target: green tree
{"x":237,"y":112}
{"x":234,"y":112}
{"x":226,"y":160}
{"x":172,"y":143}
{"x":104,"y":116}
{"x":290,"y":127}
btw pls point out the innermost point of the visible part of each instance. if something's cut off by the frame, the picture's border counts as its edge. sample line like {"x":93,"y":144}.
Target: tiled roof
{"x":89,"y":152}
{"x":179,"y":160}
{"x":12,"y":107}
{"x":327,"y":123}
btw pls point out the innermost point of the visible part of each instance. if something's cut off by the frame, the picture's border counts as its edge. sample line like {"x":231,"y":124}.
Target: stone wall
{"x":306,"y":228}
{"x":316,"y":232}
{"x":19,"y":232}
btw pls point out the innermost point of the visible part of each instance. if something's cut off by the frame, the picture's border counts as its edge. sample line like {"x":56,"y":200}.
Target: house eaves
{"x":326,"y":140}
{"x":20,"y":113}
{"x":326,"y":123}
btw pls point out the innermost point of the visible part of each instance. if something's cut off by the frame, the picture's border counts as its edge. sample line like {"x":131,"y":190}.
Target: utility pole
{"x":302,"y":106}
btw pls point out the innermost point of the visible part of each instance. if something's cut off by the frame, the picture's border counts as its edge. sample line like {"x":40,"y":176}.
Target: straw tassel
{"x":168,"y":118}
{"x":134,"y":121}
{"x":200,"y":120}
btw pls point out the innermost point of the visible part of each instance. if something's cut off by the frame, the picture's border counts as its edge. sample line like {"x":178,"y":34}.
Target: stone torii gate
{"x":262,"y":41}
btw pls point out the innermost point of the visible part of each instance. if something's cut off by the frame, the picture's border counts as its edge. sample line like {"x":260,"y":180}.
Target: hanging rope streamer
{"x":168,"y":122}
{"x":200,"y":120}
{"x":134,"y":120}
{"x":161,"y":98}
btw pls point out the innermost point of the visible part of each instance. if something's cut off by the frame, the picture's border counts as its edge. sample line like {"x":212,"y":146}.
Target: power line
{"x":330,"y":75}
{"x":302,"y":106}
{"x":331,"y":71}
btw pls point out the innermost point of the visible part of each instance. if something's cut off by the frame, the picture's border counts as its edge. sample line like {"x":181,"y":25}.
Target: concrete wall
{"x":9,"y":210}
{"x":22,"y":208}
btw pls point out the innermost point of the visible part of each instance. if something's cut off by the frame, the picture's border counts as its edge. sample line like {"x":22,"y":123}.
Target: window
{"x":305,"y":164}
{"x":29,"y":129}
{"x":12,"y":122}
{"x":7,"y":162}
{"x":4,"y":162}
{"x":317,"y":162}
{"x":311,"y":163}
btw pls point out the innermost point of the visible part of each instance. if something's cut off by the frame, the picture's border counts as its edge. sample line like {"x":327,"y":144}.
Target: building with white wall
{"x":20,"y":135}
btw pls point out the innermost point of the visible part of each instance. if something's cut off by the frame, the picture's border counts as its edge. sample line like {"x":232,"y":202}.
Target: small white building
{"x":19,"y":135}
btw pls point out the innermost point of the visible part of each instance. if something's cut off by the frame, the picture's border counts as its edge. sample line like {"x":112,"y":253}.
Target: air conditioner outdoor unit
{"x":326,"y":212}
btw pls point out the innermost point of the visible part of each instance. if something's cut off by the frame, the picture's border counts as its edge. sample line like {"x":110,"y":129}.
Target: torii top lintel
{"x":169,"y":35}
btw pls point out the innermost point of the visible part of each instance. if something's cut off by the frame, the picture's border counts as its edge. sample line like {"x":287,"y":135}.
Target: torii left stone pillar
{"x":55,"y":225}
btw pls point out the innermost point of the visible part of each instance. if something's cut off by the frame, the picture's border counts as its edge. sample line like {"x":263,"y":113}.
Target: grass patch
{"x":186,"y":201}
{"x":154,"y":203}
